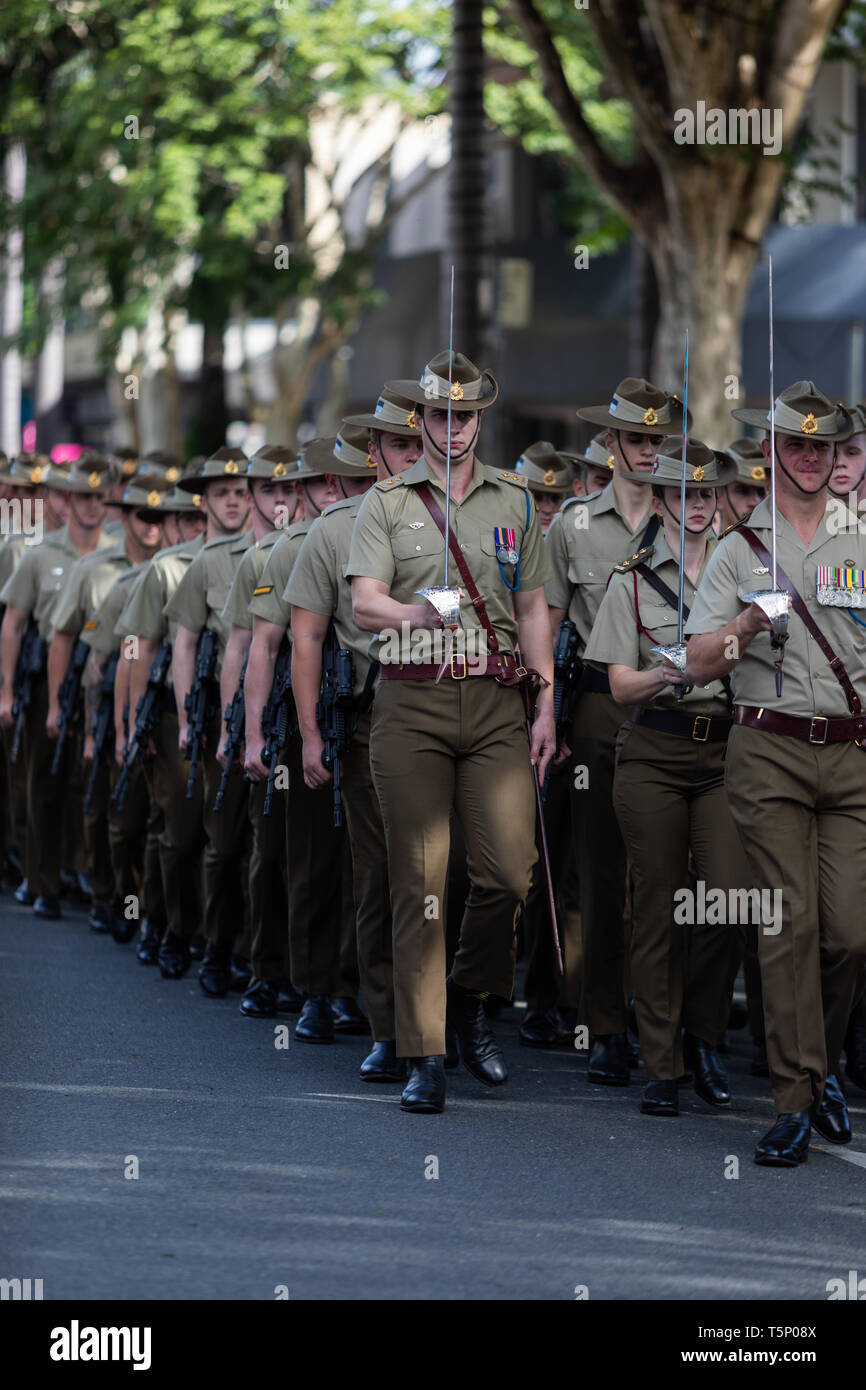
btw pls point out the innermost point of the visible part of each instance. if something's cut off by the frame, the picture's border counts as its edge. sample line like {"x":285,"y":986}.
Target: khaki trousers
{"x":315,"y":869}
{"x":226,"y":855}
{"x":370,"y":883}
{"x":46,"y":795}
{"x":181,"y":838}
{"x":269,"y":904}
{"x":461,"y":744}
{"x":669,"y":796}
{"x":801,"y":811}
{"x":16,"y":793}
{"x":601,"y":863}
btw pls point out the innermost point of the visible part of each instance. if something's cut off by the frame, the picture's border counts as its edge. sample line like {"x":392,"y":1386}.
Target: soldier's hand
{"x":424,"y":615}
{"x":183,"y":737}
{"x":7,"y":719}
{"x":670,"y":675}
{"x":754,"y":620}
{"x":88,"y":748}
{"x":315,"y":772}
{"x":51,"y":718}
{"x":256,"y":770}
{"x":543,"y":745}
{"x":221,"y":754}
{"x":563,"y":755}
{"x":118,"y":752}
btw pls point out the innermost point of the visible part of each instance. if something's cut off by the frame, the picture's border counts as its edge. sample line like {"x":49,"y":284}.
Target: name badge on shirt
{"x":841,"y":586}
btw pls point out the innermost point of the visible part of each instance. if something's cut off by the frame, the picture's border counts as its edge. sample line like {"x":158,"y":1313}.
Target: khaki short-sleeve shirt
{"x":200,"y":597}
{"x":267,"y":601}
{"x":397,"y":541}
{"x":144,"y":614}
{"x":101,"y":630}
{"x":318,"y":582}
{"x":88,"y":583}
{"x":624,"y":632}
{"x":237,"y":610}
{"x":42,"y":575}
{"x":585,"y":539}
{"x":809,"y":686}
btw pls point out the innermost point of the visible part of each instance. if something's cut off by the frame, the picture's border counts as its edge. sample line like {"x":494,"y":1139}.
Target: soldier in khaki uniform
{"x":549,"y":477}
{"x":269,"y":991}
{"x":319,"y":593}
{"x":76,"y":614}
{"x":197,"y":603}
{"x":132,"y":831}
{"x":848,"y":479}
{"x":181,"y":837}
{"x":32,"y":590}
{"x":742,"y":494}
{"x":669,"y":791}
{"x":318,"y":865}
{"x":462,"y":741}
{"x":795,"y":764}
{"x":598,"y":464}
{"x":585,"y":541}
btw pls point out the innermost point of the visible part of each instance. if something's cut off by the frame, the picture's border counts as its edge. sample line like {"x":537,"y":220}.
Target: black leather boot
{"x":609,"y":1060}
{"x":830,"y":1118}
{"x":316,"y":1024}
{"x":424,"y":1093}
{"x":787,"y":1143}
{"x":383,"y":1064}
{"x":660,"y":1098}
{"x":479,"y":1051}
{"x":710,"y":1077}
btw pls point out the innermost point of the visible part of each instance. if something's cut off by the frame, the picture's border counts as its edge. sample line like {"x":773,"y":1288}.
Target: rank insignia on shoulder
{"x":639,"y":558}
{"x":89,"y":627}
{"x":728,"y":529}
{"x":390,"y":482}
{"x":263,"y":589}
{"x":514,"y":478}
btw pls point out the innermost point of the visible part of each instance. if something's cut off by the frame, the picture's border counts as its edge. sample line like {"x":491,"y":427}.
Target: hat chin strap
{"x":807,"y":492}
{"x":851,"y":489}
{"x":435,"y":454}
{"x":688,"y":529}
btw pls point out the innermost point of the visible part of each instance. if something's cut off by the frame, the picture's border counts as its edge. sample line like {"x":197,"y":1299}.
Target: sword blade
{"x":683,"y":493}
{"x":448,"y":446}
{"x":772,"y":436}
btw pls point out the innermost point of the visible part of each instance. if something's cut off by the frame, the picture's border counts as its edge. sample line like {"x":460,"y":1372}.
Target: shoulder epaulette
{"x":733,"y":526}
{"x":219,"y":540}
{"x":573,"y":501}
{"x":514,"y":478}
{"x":386,"y":483}
{"x":640,"y":557}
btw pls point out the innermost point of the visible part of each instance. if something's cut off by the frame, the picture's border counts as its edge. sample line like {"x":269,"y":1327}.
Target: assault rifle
{"x":102,"y":726}
{"x":200,"y":702}
{"x":275,"y":717}
{"x":335,"y":710}
{"x":70,"y":689}
{"x":31,"y":661}
{"x":235,"y":716}
{"x":148,"y":712}
{"x":566,"y":677}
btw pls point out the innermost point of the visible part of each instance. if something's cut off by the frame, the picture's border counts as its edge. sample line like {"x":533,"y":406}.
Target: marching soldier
{"x":87,"y":585}
{"x":460,"y":739}
{"x":196,"y":605}
{"x":31,"y":592}
{"x":669,"y":791}
{"x":316,"y":853}
{"x":742,"y":494}
{"x":320,"y":594}
{"x":598,"y":464}
{"x":585,"y":541}
{"x":269,"y":991}
{"x":181,"y":837}
{"x":795,"y":761}
{"x":849,"y":470}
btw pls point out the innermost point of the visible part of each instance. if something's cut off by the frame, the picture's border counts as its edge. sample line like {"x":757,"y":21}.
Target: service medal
{"x":506,"y":545}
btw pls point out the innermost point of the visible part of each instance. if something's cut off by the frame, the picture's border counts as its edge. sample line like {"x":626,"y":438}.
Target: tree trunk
{"x":48,"y":394}
{"x":12,"y":304}
{"x":468,"y":177}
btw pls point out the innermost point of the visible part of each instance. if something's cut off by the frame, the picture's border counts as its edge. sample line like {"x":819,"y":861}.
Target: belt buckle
{"x":819,"y":719}
{"x":701,"y":719}
{"x":458,"y":656}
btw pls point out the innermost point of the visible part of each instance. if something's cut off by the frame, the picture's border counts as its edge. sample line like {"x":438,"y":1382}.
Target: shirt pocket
{"x":418,"y":545}
{"x":216,"y":595}
{"x":589,"y":574}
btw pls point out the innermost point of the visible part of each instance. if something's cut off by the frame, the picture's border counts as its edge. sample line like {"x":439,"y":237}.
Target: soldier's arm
{"x":59,"y":657}
{"x":257,"y":685}
{"x":139,"y":670}
{"x":121,"y":700}
{"x":14,"y":623}
{"x":556,"y":616}
{"x":230,"y":676}
{"x":183,"y":674}
{"x":711,"y":655}
{"x":308,"y":634}
{"x":374,"y":609}
{"x":91,"y":682}
{"x":631,"y":687}
{"x":530,"y":609}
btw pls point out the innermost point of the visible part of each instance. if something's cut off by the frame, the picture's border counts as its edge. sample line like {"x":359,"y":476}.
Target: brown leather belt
{"x":821,"y":729}
{"x":703,"y":728}
{"x":502,"y":665}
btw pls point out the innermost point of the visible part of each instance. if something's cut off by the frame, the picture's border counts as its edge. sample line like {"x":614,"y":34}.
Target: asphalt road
{"x":260,"y":1168}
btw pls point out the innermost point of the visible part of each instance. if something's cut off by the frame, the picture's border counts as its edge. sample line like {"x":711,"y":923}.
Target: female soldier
{"x":669,"y":792}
